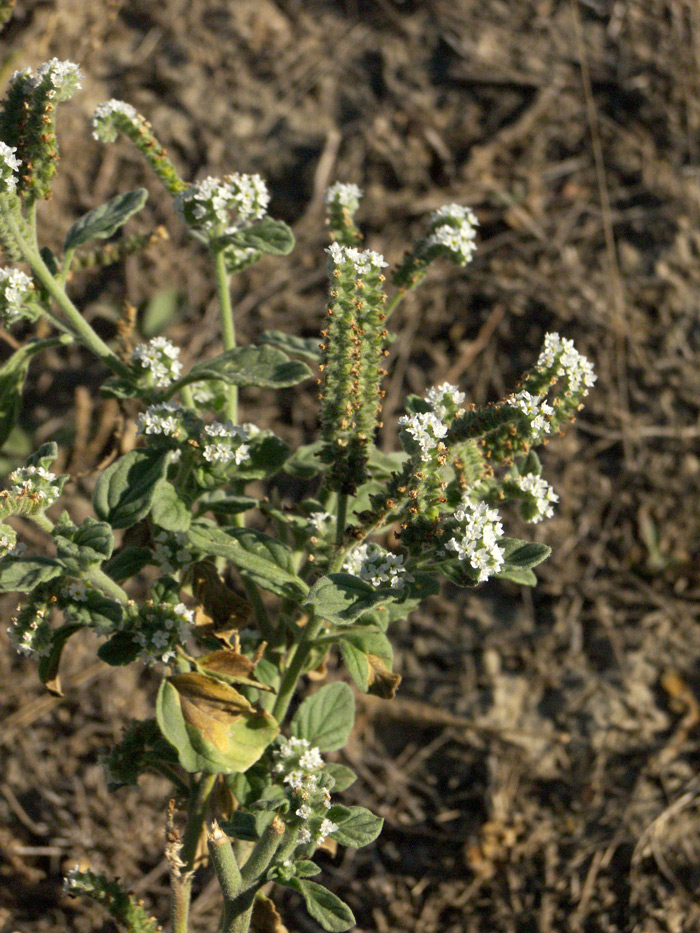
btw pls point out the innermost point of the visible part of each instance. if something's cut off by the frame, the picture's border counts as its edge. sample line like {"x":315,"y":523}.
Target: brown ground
{"x":539,"y":772}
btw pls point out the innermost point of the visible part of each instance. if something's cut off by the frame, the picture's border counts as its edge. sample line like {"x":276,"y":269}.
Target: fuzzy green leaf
{"x":124,"y":492}
{"x":121,"y":649}
{"x":262,"y":558}
{"x":127,"y":563}
{"x":241,"y":825}
{"x":357,"y":826}
{"x":267,"y":236}
{"x":356,"y":664}
{"x":523,"y":577}
{"x":265,"y":367}
{"x":305,"y":347}
{"x":343,"y":776}
{"x":23,"y":574}
{"x":324,"y":906}
{"x":168,"y":510}
{"x":341,"y":598}
{"x":523,"y":555}
{"x":106,"y":219}
{"x":326,"y":718}
{"x":48,"y":664}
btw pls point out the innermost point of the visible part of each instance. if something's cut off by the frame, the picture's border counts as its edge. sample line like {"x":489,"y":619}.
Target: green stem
{"x":225,"y":864}
{"x":99,"y":578}
{"x":295,"y":664}
{"x":393,"y":305}
{"x":341,"y":519}
{"x":261,"y":615}
{"x":228,"y":328}
{"x":181,"y":885}
{"x":263,"y":853}
{"x":79,"y":326}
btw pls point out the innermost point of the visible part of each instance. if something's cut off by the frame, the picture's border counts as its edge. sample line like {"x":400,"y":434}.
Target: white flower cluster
{"x":76,"y":591}
{"x":15,"y":288}
{"x":160,"y":630}
{"x":426,"y":429}
{"x":570,"y":364}
{"x":320,"y":521}
{"x":64,"y":78}
{"x":480,"y":528}
{"x":363,"y":260}
{"x":9,"y":165}
{"x":347,"y":196}
{"x":36,"y":483}
{"x":208,"y":204}
{"x":170,"y":551}
{"x":8,"y":540}
{"x":543,"y":496}
{"x":164,"y":418}
{"x":30,"y":632}
{"x":160,"y":357}
{"x":374,"y":565}
{"x":227,"y":445}
{"x":453,"y":227}
{"x":445,"y":399}
{"x":301,"y":764}
{"x":536,"y":408}
{"x":103,"y":128}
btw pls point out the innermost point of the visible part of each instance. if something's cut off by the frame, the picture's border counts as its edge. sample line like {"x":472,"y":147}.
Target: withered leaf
{"x":233,"y":667}
{"x":224,"y":607}
{"x":382,"y":682}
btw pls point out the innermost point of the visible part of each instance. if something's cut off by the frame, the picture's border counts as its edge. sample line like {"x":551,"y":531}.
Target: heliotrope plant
{"x":230,"y":595}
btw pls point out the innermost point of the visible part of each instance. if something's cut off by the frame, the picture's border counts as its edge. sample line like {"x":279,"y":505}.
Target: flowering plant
{"x":233,"y":596}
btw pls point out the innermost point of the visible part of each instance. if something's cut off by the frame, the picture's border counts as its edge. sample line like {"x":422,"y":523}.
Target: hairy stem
{"x":181,"y":890}
{"x":100,"y":579}
{"x":295,"y":664}
{"x":228,"y":328}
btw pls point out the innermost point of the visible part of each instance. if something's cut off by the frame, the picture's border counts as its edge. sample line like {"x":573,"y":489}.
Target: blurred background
{"x":539,"y":769}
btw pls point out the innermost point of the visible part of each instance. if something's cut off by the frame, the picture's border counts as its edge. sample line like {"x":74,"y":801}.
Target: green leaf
{"x":523,"y":555}
{"x":83,"y":547}
{"x":265,"y":367}
{"x":305,"y":347}
{"x":168,"y":510}
{"x":341,"y":598}
{"x":304,"y":462}
{"x":12,"y":375}
{"x":124,"y":492}
{"x":106,"y":219}
{"x":267,"y":235}
{"x":523,"y":577}
{"x":23,"y":574}
{"x":241,"y":825}
{"x":121,"y":649}
{"x":357,"y":827}
{"x":268,"y":454}
{"x":304,"y":868}
{"x":212,"y":726}
{"x":221,"y":503}
{"x":343,"y":776}
{"x":48,"y":664}
{"x":262,"y":558}
{"x":356,"y":664}
{"x":127,"y":563}
{"x":96,"y":611}
{"x":326,"y":717}
{"x":325,"y":907}
{"x":45,"y":456}
{"x":160,"y":311}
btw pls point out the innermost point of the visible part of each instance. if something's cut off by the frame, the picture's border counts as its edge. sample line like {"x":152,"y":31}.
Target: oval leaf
{"x":106,"y":219}
{"x":265,"y":367}
{"x":326,"y":718}
{"x":124,"y":492}
{"x":341,"y":598}
{"x":168,"y":510}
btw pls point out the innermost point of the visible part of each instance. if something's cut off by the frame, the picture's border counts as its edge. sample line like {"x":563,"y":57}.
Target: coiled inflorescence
{"x":353,"y":353}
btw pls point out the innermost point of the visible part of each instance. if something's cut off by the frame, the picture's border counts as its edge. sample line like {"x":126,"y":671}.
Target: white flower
{"x":344,"y":195}
{"x":8,"y":541}
{"x":453,"y":227}
{"x":536,"y":408}
{"x":320,"y":521}
{"x":363,"y":260}
{"x":444,"y":399}
{"x":160,"y":356}
{"x":36,"y":483}
{"x":426,"y":429}
{"x":561,"y":354}
{"x":77,"y":591}
{"x":376,"y":566}
{"x":480,"y":529}
{"x":311,"y":759}
{"x":304,"y":836}
{"x":160,"y":630}
{"x":30,"y":632}
{"x":64,"y":77}
{"x":326,"y":828}
{"x":170,"y":552}
{"x":229,"y":448}
{"x":542,"y":494}
{"x":9,"y":164}
{"x":103,"y":122}
{"x":208,"y":204}
{"x":164,"y":418}
{"x":304,"y":811}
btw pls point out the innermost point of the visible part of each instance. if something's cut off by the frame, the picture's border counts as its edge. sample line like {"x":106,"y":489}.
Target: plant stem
{"x":263,"y":853}
{"x":296,"y":661}
{"x":228,"y":328}
{"x":99,"y":578}
{"x":182,"y":886}
{"x":341,"y":519}
{"x":79,"y":326}
{"x":393,"y":305}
